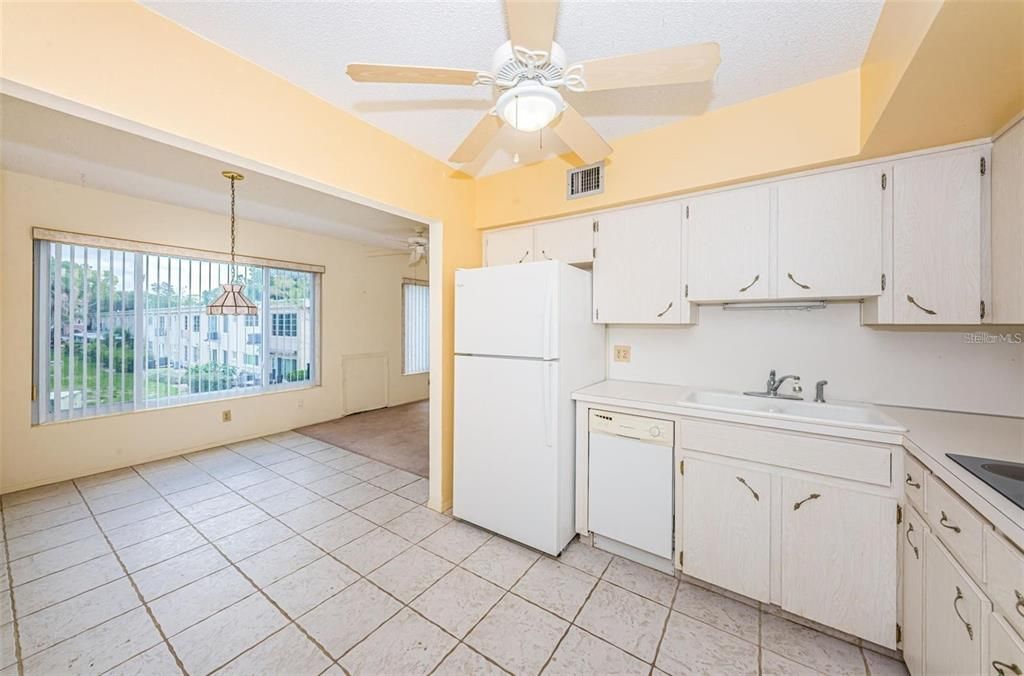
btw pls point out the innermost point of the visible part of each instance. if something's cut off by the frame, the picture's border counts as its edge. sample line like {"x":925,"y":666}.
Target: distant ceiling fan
{"x":417,"y":245}
{"x":529,"y":69}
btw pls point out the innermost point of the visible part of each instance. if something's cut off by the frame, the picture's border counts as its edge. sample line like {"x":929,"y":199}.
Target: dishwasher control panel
{"x":652,"y":430}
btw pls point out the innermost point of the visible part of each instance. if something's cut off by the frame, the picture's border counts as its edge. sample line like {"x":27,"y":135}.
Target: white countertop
{"x":929,"y":436}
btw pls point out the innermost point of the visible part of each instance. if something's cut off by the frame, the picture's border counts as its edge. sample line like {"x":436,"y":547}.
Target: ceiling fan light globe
{"x":530,"y":106}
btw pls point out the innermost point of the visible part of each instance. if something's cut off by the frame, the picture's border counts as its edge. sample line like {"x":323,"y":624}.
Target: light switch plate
{"x":623,"y":353}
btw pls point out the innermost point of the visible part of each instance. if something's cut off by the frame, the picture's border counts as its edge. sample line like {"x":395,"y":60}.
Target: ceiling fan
{"x":529,"y":69}
{"x":417,"y":245}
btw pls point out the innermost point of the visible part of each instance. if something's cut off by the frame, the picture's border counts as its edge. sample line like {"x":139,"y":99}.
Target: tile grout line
{"x":572,"y":622}
{"x":10,"y":590}
{"x":760,"y":640}
{"x":668,"y":617}
{"x":234,"y":565}
{"x":135,"y":588}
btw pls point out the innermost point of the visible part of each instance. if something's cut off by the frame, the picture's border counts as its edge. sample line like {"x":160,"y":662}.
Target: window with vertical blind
{"x":121,"y":330}
{"x":415,"y":327}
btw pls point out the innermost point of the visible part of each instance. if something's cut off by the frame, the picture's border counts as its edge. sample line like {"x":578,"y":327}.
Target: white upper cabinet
{"x":1008,"y":227}
{"x":638,"y":269}
{"x":830,"y":234}
{"x":937,"y":239}
{"x":503,"y":247}
{"x":729,"y":247}
{"x":571,"y":240}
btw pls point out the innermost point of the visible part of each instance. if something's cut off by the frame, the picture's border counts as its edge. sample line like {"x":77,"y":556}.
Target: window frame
{"x":108,"y":247}
{"x":405,"y":368}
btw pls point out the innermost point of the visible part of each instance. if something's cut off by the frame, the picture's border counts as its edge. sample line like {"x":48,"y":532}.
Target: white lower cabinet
{"x":1005,"y":650}
{"x":838,"y":561}
{"x":727,"y":526}
{"x":953,"y":616}
{"x":914,"y":533}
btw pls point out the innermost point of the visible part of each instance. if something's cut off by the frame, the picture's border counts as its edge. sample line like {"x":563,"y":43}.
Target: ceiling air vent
{"x":584,"y":181}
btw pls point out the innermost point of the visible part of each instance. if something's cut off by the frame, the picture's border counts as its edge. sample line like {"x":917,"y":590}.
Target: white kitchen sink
{"x":845,"y":414}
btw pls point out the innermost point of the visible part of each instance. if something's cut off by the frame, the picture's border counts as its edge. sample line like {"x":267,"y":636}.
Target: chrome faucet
{"x":819,"y":391}
{"x":771,"y":388}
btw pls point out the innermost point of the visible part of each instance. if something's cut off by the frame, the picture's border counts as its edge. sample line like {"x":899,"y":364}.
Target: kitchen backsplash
{"x":978,"y":370}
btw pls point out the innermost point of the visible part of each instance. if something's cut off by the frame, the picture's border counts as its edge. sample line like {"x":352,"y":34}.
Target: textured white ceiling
{"x":766,"y":47}
{"x":44,"y":142}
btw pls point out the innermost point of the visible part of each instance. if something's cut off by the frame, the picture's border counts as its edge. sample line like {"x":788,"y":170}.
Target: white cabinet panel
{"x":1008,"y":227}
{"x":1005,"y":650}
{"x":729,"y":248}
{"x":830,"y":235}
{"x":838,"y":559}
{"x":914,"y":529}
{"x":503,"y":247}
{"x":571,"y":240}
{"x":937,"y":239}
{"x":638,"y":268}
{"x":727,"y":526}
{"x":1004,"y":566}
{"x":953,"y":616}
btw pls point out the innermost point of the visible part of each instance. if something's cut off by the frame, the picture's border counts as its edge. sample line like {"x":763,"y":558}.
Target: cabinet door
{"x":1005,"y":650}
{"x":571,"y":241}
{"x":955,"y":609}
{"x":838,"y":558}
{"x":729,"y":248}
{"x":830,"y":235}
{"x":914,"y":529}
{"x":637,"y":271}
{"x":937,"y":239}
{"x":503,"y":247}
{"x":727,"y":526}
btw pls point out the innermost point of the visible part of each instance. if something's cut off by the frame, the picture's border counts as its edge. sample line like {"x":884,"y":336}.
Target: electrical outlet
{"x":623,"y":353}
{"x":225,"y":416}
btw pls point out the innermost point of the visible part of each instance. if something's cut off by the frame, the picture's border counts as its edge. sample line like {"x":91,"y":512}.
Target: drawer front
{"x":1004,"y":569}
{"x":956,"y":524}
{"x":913,"y":480}
{"x":1005,"y":651}
{"x":821,"y":455}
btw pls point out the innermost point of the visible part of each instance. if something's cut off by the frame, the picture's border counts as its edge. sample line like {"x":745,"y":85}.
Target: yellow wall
{"x":361,"y":312}
{"x":121,"y":59}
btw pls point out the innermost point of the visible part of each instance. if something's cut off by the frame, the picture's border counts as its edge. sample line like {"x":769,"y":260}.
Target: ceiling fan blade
{"x":482,"y":133}
{"x":378,"y":72}
{"x":531,"y":23}
{"x":580,"y":136}
{"x":675,"y":65}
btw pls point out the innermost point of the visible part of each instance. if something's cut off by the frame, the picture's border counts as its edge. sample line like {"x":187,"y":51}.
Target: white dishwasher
{"x":630,"y":486}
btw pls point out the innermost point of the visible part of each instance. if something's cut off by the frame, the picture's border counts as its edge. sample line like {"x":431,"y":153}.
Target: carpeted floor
{"x":397,"y":436}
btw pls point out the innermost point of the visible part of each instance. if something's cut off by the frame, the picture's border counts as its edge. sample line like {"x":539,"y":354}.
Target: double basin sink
{"x":845,"y":414}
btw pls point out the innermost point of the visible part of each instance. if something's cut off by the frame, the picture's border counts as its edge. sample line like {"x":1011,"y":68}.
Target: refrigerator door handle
{"x":549,"y":312}
{"x":548,"y":402}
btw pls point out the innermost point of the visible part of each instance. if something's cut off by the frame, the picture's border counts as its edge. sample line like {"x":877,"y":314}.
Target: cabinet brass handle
{"x":956,"y":600}
{"x":525,"y":254}
{"x":943,"y":522}
{"x":910,"y":529}
{"x":999,"y":666}
{"x":1020,"y":603}
{"x":793,"y":279}
{"x":752,"y":491}
{"x":662,"y":313}
{"x":747,"y":287}
{"x":812,"y":496}
{"x":545,"y":255}
{"x":919,"y":306}
{"x":910,"y":482}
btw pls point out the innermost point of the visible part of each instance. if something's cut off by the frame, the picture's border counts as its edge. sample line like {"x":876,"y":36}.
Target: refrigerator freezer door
{"x":506,"y":449}
{"x":508,"y":310}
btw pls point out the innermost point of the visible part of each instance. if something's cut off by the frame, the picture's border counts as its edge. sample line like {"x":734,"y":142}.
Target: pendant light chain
{"x":232,"y":275}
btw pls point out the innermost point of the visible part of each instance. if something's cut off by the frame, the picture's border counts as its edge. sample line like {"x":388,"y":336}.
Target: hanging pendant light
{"x":232,"y":300}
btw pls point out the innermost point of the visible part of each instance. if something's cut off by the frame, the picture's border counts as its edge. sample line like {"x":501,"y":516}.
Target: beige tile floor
{"x":286,"y":555}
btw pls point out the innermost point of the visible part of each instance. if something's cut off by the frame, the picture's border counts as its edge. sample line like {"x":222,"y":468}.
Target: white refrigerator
{"x":524,"y":341}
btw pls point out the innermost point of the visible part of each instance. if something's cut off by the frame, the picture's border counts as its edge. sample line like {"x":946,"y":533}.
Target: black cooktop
{"x":1007,"y":478}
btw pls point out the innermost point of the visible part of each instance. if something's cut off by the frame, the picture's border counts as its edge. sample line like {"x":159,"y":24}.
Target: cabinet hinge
{"x":35,"y":392}
{"x":982,"y":309}
{"x":686,"y":291}
{"x":681,"y":466}
{"x":596,"y":225}
{"x":597,"y":313}
{"x":883,"y":281}
{"x":687,"y":210}
{"x":594,"y":252}
{"x":983,"y":166}
{"x":680,"y":558}
{"x":885,"y":181}
{"x":899,"y":633}
{"x":899,"y":514}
